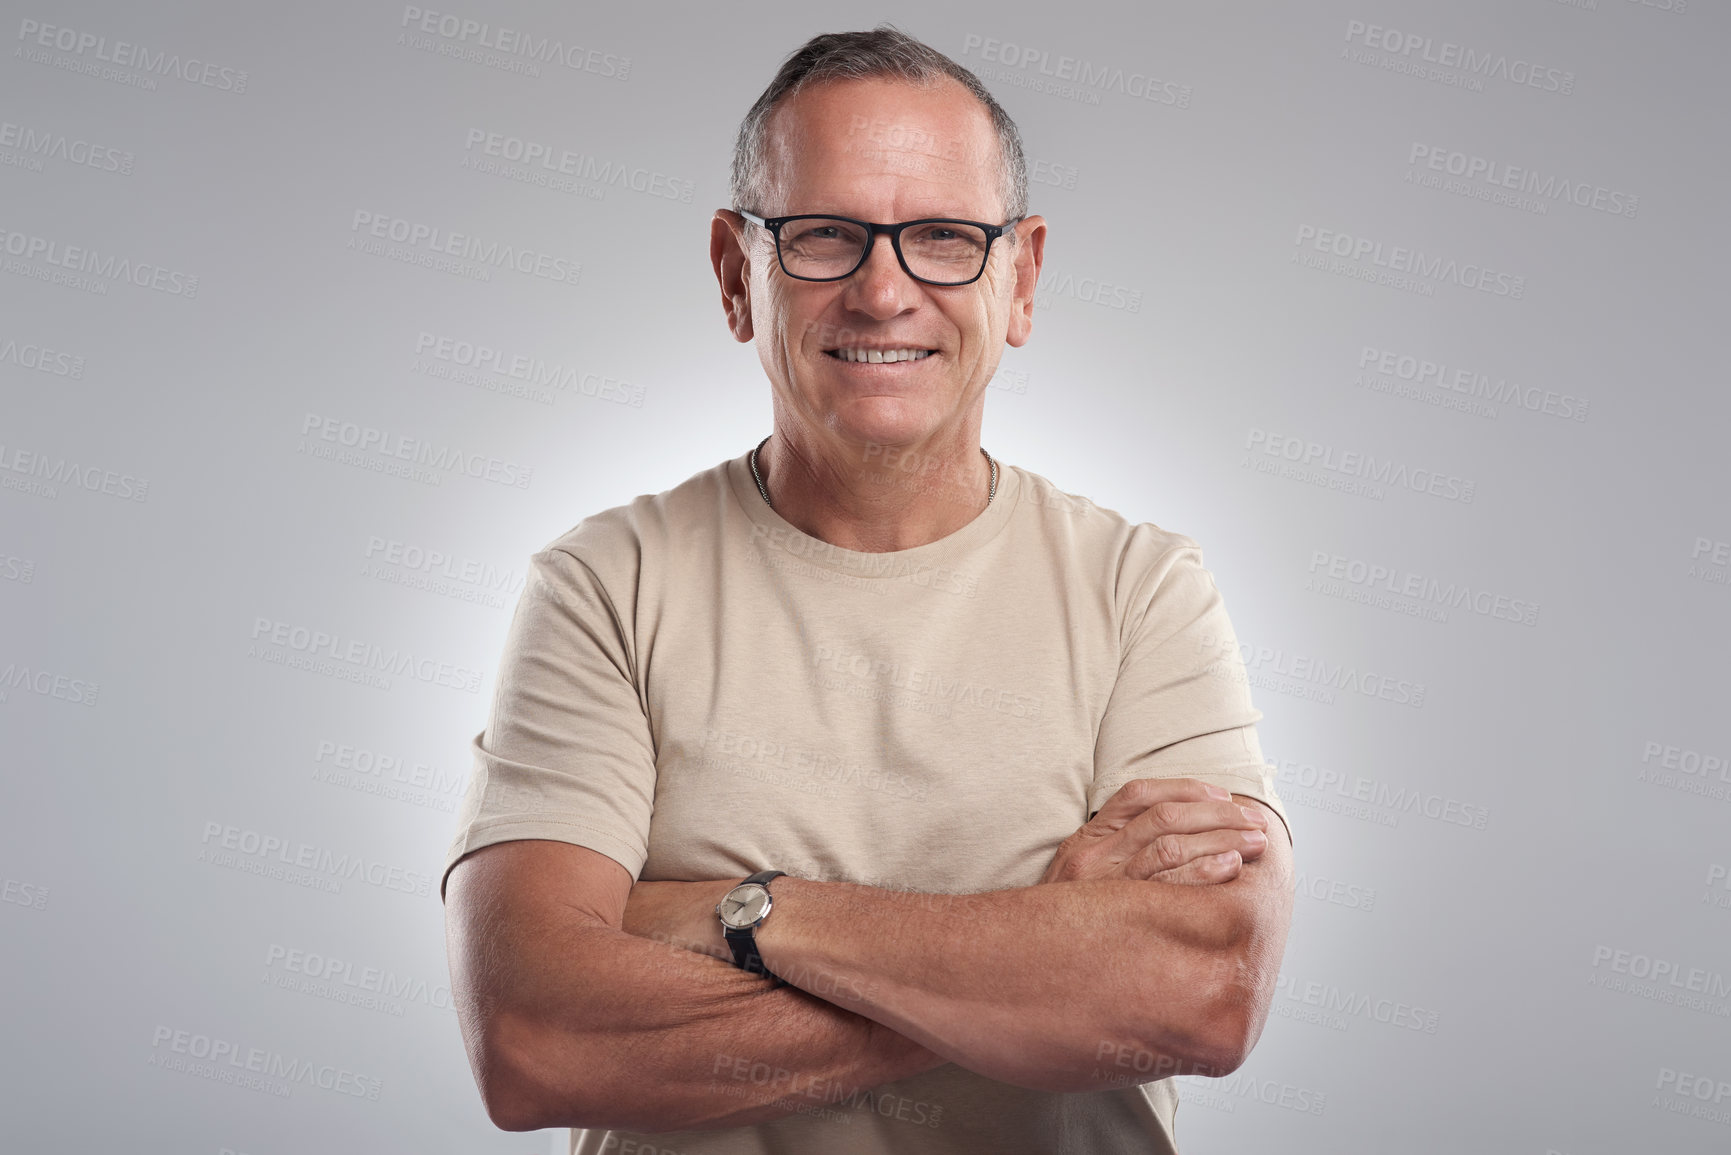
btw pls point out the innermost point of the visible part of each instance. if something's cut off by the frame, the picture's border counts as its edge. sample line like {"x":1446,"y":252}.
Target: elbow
{"x":513,"y":1099}
{"x":1212,"y":1039}
{"x":1233,"y":1013}
{"x":1212,"y":1031}
{"x":509,"y":1110}
{"x":525,"y":1080}
{"x":1224,"y":1045}
{"x":531,"y":1084}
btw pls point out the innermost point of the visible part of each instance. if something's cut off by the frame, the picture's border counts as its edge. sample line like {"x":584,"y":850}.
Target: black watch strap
{"x":744,"y":941}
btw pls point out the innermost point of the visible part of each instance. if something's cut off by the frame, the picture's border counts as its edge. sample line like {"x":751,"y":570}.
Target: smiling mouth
{"x":879,"y":356}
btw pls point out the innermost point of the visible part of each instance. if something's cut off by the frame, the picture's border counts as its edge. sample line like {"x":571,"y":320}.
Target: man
{"x":966,"y":765}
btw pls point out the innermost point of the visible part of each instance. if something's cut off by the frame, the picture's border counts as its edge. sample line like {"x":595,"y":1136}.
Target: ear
{"x":1030,"y":252}
{"x":732,"y":269}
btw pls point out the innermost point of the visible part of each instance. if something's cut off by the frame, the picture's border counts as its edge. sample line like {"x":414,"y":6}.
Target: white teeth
{"x":877,"y":356}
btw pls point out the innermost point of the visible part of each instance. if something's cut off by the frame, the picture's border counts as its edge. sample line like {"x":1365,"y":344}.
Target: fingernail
{"x":1219,"y":792}
{"x":1255,"y":836}
{"x":1254,"y":816}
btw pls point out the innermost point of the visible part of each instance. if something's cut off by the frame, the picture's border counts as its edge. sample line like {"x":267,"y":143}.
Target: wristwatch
{"x":741,"y":911}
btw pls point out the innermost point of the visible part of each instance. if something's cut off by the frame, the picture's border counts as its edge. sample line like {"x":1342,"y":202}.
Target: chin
{"x":884,"y":421}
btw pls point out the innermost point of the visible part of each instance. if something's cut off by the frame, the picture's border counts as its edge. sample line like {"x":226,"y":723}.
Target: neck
{"x":875,"y":498}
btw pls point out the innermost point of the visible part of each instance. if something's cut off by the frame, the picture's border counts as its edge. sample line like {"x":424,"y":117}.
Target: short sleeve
{"x":1180,"y":707}
{"x":567,"y":753}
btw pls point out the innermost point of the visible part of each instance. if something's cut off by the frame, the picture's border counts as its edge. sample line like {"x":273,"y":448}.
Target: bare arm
{"x":1043,"y":983}
{"x":1045,"y":986}
{"x":570,"y":1021}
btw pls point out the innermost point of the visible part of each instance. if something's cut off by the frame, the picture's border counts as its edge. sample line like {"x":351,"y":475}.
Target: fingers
{"x":1171,"y":829}
{"x":1172,"y":852}
{"x":1163,"y":818}
{"x":1203,"y":871}
{"x":1137,"y":795}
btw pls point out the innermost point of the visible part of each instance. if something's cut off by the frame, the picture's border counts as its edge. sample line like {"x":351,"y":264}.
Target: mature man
{"x":864,"y":793}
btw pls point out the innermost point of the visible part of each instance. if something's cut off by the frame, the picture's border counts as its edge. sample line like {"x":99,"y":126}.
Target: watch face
{"x":744,"y":905}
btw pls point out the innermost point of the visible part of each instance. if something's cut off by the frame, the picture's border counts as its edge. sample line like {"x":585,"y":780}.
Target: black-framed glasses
{"x":935,"y":250}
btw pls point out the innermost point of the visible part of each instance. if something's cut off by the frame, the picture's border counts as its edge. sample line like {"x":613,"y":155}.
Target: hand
{"x":1163,"y":830}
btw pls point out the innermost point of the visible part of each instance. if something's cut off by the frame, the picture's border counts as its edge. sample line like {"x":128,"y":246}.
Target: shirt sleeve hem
{"x":1246,"y":780}
{"x":491,"y":831}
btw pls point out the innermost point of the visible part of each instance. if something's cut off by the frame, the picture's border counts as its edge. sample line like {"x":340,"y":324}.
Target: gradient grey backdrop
{"x":218,"y":847}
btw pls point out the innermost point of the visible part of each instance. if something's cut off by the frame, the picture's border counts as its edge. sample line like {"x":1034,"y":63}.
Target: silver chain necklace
{"x":991,"y":486}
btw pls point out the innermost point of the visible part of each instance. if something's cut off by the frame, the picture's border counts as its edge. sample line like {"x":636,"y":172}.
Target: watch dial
{"x":744,"y":905}
{"x":755,"y":904}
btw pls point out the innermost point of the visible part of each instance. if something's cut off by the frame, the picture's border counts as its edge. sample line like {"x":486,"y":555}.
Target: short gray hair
{"x":884,"y":52}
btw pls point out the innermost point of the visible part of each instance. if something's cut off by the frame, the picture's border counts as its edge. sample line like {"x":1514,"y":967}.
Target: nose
{"x":881,"y":288}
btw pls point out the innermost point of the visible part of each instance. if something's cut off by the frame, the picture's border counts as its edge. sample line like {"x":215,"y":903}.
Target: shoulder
{"x":616,"y":543}
{"x":1136,"y":554}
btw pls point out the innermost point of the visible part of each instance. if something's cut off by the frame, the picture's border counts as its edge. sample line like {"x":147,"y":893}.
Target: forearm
{"x":594,"y":1027}
{"x":1043,"y":986}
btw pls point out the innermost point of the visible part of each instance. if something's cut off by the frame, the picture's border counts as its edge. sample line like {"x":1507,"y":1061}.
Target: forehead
{"x":877,"y":144}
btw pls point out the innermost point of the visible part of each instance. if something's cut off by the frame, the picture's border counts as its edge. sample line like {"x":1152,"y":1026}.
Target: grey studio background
{"x":316,"y":320}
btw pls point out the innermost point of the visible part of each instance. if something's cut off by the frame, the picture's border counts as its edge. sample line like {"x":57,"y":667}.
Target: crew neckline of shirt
{"x":888,"y":565}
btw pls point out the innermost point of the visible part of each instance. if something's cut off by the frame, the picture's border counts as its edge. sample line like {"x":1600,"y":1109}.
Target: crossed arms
{"x":1150,"y":948}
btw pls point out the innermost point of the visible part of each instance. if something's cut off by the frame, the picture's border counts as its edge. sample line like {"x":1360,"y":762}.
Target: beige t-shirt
{"x":698,"y":690}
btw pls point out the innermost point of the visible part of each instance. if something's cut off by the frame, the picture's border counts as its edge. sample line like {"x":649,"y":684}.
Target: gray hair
{"x":884,"y":52}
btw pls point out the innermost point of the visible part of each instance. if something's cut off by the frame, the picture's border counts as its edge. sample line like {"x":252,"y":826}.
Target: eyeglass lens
{"x":946,"y":252}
